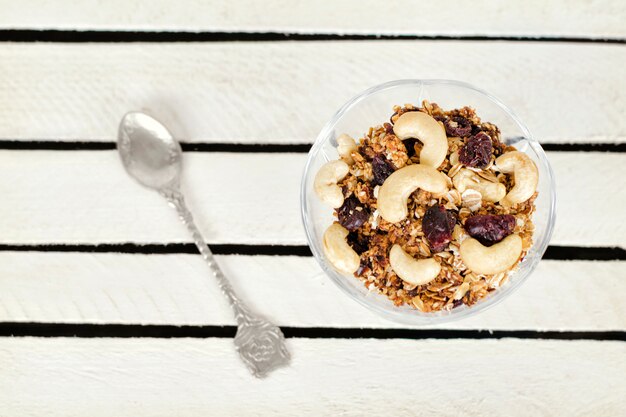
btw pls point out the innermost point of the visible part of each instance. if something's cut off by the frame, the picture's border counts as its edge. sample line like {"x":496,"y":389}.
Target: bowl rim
{"x":417,"y":317}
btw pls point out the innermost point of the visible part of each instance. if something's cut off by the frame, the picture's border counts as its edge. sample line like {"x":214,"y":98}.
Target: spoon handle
{"x":176,"y":199}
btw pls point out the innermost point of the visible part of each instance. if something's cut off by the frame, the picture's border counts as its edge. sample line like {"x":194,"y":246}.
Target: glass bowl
{"x":373,"y":107}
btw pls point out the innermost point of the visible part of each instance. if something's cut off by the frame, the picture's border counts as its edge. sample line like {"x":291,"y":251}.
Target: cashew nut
{"x":525,"y":175}
{"x":345,"y":146}
{"x":414,"y":271}
{"x":325,"y":184}
{"x":418,"y":125}
{"x":468,"y":179}
{"x":337,"y":250}
{"x":395,"y":191}
{"x":491,"y":260}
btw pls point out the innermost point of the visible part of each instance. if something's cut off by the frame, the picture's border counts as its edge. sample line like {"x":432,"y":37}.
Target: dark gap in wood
{"x":582,"y":253}
{"x":109,"y":36}
{"x":44,"y":145}
{"x":584,"y":147}
{"x":31,"y":329}
{"x":245,"y":147}
{"x":164,"y":249}
{"x":559,"y":253}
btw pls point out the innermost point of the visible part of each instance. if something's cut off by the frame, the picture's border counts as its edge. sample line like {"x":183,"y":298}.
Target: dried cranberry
{"x":477,"y":151}
{"x":357,"y":242}
{"x":381,"y":169}
{"x":476,"y":129}
{"x":437,"y":225}
{"x":458,"y":126}
{"x":352,"y":214}
{"x":490,"y":229}
{"x":388,"y":128}
{"x":409,"y":144}
{"x":457,"y":303}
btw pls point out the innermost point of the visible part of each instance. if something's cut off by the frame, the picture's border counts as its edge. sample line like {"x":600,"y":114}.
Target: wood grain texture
{"x":284,"y":92}
{"x":291,"y":291}
{"x":448,"y":17}
{"x":87,"y":197}
{"x":191,"y":377}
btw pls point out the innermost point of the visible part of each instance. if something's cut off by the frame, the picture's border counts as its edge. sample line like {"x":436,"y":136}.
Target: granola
{"x":435,"y":224}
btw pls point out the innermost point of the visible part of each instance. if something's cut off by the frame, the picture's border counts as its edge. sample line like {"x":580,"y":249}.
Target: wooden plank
{"x":195,"y":377}
{"x":251,"y":198}
{"x":447,"y":17}
{"x":285,"y":92}
{"x":292,"y":291}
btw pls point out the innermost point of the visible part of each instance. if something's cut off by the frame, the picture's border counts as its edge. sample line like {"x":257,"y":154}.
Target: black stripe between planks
{"x":559,"y":253}
{"x":43,"y":145}
{"x":17,"y":329}
{"x":584,"y":147}
{"x":164,"y":249}
{"x":106,"y":36}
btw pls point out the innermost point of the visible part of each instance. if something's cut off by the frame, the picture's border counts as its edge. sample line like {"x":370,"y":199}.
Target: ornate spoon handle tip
{"x":260,"y":344}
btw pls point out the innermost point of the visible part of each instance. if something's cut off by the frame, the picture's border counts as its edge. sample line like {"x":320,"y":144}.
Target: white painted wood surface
{"x":283,"y":92}
{"x":286,"y":91}
{"x":599,"y":18}
{"x":241,"y":198}
{"x":152,"y":377}
{"x":291,"y":291}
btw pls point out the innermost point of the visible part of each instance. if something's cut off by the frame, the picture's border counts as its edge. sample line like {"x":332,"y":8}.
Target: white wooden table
{"x":105,"y":309}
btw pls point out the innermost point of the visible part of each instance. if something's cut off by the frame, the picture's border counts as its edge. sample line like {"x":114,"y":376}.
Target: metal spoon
{"x":152,"y":156}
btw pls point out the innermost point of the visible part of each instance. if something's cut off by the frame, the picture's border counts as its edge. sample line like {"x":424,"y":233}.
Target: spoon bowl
{"x":149,"y":152}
